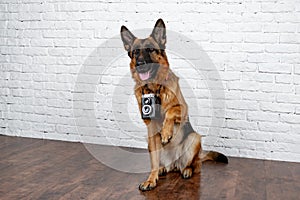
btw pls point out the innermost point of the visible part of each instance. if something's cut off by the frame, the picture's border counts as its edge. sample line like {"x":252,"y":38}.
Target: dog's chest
{"x":170,"y":152}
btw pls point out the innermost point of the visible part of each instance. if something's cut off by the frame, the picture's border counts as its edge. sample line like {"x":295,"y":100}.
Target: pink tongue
{"x":144,"y":76}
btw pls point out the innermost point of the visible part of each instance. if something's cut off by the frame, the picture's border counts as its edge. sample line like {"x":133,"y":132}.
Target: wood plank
{"x":44,"y":169}
{"x":282,"y":181}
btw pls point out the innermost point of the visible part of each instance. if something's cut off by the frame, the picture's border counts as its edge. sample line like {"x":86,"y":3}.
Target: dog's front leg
{"x":154,"y":146}
{"x":174,"y":114}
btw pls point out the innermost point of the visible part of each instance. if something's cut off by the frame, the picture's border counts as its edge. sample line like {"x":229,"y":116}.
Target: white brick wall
{"x":254,"y":44}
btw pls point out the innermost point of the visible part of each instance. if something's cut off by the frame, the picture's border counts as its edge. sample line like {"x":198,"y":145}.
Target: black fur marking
{"x":187,"y":129}
{"x":163,"y":172}
{"x":129,"y":54}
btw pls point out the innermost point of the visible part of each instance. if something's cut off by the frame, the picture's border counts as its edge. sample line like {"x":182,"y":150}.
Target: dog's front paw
{"x":166,"y":139}
{"x":166,"y":136}
{"x":166,"y":133}
{"x":147,"y":185}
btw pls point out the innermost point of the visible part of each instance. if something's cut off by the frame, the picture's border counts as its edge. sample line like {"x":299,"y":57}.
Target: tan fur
{"x":170,"y":147}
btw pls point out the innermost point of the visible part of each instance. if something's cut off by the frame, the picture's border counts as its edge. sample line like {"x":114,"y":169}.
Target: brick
{"x":286,"y":79}
{"x":55,"y":16}
{"x":229,"y":133}
{"x":21,"y":76}
{"x":261,"y":17}
{"x":44,"y":60}
{"x":35,"y":51}
{"x":262,"y":116}
{"x":261,"y":38}
{"x":11,"y":51}
{"x":33,"y":69}
{"x":298,"y":110}
{"x":286,"y":17}
{"x":248,"y":47}
{"x":256,"y":135}
{"x":282,"y":27}
{"x":3,"y":7}
{"x":22,"y":92}
{"x":290,"y":58}
{"x":297,"y":68}
{"x":242,"y":67}
{"x":278,"y":137}
{"x":290,"y":118}
{"x":277,"y":7}
{"x":282,"y":48}
{"x":273,"y":127}
{"x":242,"y":105}
{"x":39,"y":25}
{"x":232,"y":95}
{"x":227,"y":76}
{"x":259,"y":77}
{"x":226,"y":37}
{"x":288,"y":98}
{"x":20,"y":59}
{"x":241,"y":124}
{"x":57,"y":51}
{"x":68,"y":61}
{"x":243,"y":85}
{"x":55,"y":34}
{"x":42,"y":127}
{"x":66,"y":129}
{"x":41,"y":42}
{"x":245,"y":27}
{"x":69,"y":7}
{"x":276,"y":88}
{"x":277,"y":107}
{"x":65,"y":43}
{"x":80,"y":33}
{"x":275,"y":68}
{"x":297,"y":90}
{"x":263,"y":58}
{"x":289,"y":38}
{"x":30,"y":16}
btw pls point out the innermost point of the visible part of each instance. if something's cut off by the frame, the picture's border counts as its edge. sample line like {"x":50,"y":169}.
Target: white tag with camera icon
{"x":150,"y":106}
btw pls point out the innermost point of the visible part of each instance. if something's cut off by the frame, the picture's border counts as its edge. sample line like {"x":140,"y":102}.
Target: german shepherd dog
{"x":172,"y":142}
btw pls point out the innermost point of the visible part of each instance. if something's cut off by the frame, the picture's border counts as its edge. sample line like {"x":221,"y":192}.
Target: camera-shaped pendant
{"x":150,"y":106}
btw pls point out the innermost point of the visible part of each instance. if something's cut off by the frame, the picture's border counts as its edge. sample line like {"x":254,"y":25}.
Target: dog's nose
{"x":139,"y":63}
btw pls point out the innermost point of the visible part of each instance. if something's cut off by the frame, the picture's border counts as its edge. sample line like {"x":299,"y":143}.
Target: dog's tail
{"x":213,"y":156}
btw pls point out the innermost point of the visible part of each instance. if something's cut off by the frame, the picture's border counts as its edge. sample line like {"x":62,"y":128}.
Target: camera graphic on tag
{"x":150,"y":106}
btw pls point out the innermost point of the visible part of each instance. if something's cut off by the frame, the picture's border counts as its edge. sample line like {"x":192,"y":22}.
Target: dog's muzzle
{"x":142,"y":67}
{"x":139,"y":63}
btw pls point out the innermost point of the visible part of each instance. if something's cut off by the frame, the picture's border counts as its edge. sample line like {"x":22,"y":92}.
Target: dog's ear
{"x":127,"y":38}
{"x":159,"y":33}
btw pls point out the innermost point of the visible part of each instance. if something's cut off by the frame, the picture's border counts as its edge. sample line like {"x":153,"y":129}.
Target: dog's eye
{"x":136,"y":51}
{"x":150,"y":50}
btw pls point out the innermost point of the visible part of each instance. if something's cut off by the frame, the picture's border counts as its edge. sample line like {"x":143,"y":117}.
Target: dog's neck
{"x":151,"y":88}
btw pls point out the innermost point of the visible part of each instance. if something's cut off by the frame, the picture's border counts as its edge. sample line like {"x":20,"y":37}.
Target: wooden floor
{"x":43,"y":169}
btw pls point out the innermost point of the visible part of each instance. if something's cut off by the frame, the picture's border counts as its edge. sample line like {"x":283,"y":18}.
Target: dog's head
{"x":148,"y":57}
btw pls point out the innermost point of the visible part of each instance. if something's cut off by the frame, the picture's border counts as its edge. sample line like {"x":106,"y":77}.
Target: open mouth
{"x":147,"y":71}
{"x":145,"y":76}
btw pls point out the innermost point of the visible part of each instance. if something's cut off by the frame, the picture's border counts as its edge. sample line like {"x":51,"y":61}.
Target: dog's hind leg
{"x":197,"y":164}
{"x":190,"y":161}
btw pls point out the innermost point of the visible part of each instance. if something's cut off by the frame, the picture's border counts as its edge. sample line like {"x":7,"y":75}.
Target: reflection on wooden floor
{"x":43,"y":169}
